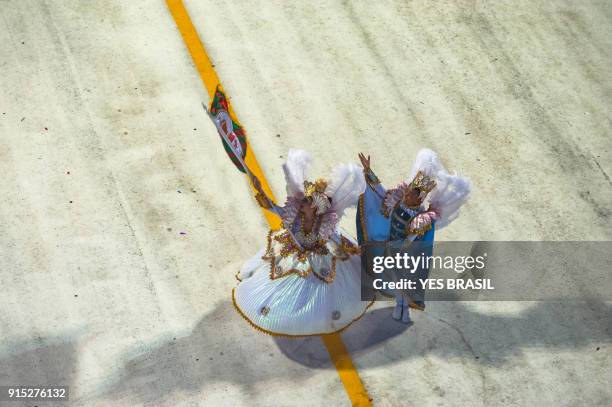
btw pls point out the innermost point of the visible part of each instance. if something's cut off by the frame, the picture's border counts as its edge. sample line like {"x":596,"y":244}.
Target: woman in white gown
{"x":306,"y":281}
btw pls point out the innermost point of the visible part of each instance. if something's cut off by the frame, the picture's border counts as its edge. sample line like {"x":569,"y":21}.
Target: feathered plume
{"x":451,"y":190}
{"x":347,"y":183}
{"x":296,"y":171}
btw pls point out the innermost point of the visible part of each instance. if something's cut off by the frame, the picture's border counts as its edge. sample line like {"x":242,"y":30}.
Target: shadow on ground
{"x":373,"y":330}
{"x":44,"y":361}
{"x":222,"y":348}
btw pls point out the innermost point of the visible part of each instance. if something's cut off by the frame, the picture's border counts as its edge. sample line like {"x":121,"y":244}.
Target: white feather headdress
{"x":344,"y":186}
{"x":296,"y":171}
{"x":451,"y":190}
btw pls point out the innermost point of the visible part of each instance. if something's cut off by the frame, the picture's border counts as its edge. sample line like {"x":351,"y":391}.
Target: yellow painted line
{"x":337,"y":351}
{"x":346,"y":370}
{"x":211,"y":80}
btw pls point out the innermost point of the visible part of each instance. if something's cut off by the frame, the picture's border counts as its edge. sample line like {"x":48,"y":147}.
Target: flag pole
{"x":248,"y":172}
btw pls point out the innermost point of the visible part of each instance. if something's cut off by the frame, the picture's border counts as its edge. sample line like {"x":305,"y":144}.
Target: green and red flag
{"x":229,"y":129}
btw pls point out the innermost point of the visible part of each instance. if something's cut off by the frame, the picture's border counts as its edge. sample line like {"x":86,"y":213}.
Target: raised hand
{"x":365,"y":162}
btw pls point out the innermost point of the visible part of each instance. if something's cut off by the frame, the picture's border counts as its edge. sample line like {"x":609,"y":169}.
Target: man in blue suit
{"x":392,"y":221}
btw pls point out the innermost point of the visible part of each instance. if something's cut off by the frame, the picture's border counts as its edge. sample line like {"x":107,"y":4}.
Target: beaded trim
{"x":345,"y":249}
{"x":364,"y":231}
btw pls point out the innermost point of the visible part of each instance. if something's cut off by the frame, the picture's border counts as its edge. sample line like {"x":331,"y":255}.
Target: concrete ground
{"x":123,"y":222}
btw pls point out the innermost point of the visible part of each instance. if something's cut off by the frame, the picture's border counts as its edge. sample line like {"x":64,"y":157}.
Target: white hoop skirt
{"x":291,"y":293}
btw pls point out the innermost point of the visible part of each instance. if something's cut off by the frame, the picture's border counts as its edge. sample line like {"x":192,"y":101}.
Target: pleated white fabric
{"x":294,"y":305}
